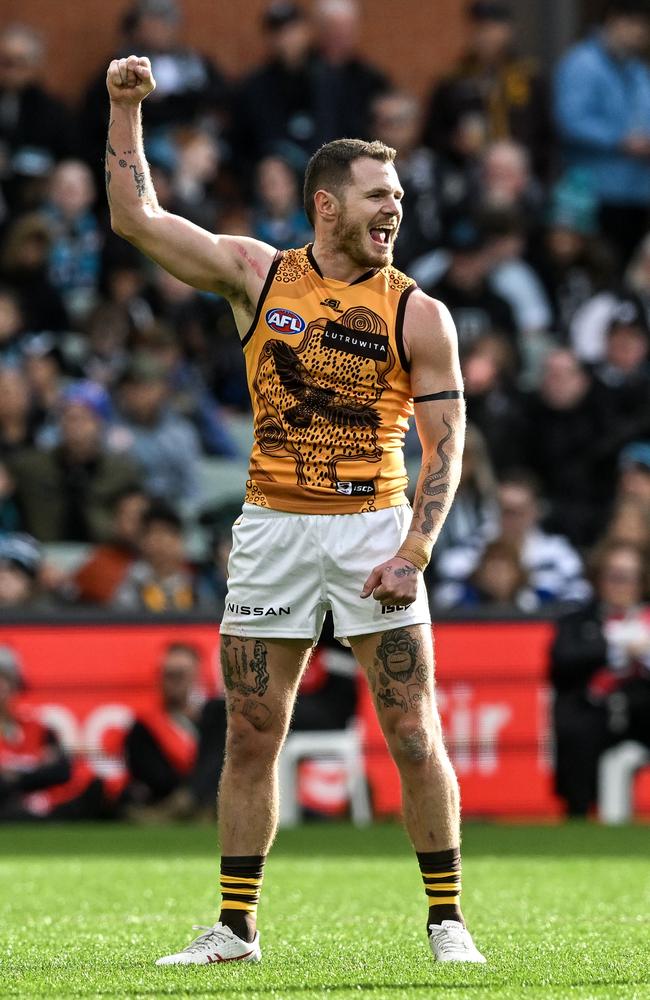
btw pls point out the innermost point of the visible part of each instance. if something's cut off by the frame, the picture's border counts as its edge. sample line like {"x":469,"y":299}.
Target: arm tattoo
{"x":139,"y":179}
{"x":244,"y":670}
{"x":431,"y":487}
{"x":109,"y":152}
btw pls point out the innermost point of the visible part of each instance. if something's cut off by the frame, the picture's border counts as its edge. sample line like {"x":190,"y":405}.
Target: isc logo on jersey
{"x":285,"y":321}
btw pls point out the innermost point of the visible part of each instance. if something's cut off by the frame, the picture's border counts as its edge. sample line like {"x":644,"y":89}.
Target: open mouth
{"x":381,"y":235}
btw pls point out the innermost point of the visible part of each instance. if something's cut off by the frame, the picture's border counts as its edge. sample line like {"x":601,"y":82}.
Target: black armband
{"x":432,"y":397}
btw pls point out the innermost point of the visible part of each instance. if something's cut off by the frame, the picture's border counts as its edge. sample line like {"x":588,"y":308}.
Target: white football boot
{"x":217,"y":944}
{"x":451,"y":942}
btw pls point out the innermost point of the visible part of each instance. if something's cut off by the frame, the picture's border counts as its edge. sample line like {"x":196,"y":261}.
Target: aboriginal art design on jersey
{"x":317,"y":397}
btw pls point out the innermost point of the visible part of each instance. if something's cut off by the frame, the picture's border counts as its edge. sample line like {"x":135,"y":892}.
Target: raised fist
{"x":129,"y":80}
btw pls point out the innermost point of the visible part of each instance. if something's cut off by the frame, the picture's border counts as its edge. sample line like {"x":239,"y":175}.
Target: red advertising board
{"x":87,"y":681}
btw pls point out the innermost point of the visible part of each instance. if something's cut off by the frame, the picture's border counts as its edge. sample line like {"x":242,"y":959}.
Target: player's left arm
{"x":431,"y":345}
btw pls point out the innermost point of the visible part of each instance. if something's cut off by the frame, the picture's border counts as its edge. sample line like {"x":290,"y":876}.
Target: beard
{"x":354,"y":240}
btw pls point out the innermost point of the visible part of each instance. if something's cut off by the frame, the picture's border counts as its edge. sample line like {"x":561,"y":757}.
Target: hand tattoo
{"x":405,"y":571}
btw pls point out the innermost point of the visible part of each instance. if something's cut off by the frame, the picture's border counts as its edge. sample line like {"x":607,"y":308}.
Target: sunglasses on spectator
{"x":619,"y":576}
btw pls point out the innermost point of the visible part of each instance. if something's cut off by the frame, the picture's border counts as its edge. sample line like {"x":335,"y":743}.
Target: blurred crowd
{"x":526,"y":211}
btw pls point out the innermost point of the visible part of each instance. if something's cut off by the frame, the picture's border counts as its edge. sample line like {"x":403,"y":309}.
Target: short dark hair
{"x":625,"y":8}
{"x":161,"y":513}
{"x":183,"y":647}
{"x":329,"y":167}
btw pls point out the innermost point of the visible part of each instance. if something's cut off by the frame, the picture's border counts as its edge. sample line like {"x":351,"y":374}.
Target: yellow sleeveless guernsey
{"x":330,"y":389}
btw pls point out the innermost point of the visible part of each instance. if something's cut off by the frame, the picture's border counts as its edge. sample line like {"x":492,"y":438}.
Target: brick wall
{"x":413,"y":40}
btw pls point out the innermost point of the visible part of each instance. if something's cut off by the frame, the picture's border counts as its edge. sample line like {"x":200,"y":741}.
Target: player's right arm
{"x":233,"y":266}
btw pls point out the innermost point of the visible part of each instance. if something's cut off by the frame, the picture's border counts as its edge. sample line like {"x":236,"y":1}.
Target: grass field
{"x":559,"y":912}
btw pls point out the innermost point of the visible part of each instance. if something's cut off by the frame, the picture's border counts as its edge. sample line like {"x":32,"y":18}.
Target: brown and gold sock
{"x":441,"y":877}
{"x":241,"y":884}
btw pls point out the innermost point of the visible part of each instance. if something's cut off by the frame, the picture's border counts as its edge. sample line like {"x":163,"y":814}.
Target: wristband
{"x":416,"y":551}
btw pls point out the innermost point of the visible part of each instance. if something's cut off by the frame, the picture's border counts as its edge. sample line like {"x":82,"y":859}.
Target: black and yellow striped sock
{"x":241,"y":884}
{"x":441,"y":877}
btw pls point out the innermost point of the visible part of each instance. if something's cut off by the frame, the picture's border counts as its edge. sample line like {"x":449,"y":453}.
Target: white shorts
{"x":286,"y":570}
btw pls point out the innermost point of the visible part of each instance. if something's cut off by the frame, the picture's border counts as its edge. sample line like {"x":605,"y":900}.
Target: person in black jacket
{"x":35,"y":128}
{"x":600,"y":670}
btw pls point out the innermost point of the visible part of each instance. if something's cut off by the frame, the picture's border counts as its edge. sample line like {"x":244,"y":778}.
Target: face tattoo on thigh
{"x":398,"y":660}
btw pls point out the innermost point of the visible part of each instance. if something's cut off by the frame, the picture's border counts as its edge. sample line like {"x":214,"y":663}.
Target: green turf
{"x":559,"y":911}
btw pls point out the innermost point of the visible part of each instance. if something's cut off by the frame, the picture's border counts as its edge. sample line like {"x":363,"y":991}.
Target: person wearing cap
{"x":36,"y":129}
{"x":20,"y":565}
{"x":493,"y":94}
{"x":602,"y":114}
{"x":623,"y":376}
{"x":600,"y":671}
{"x":66,"y":493}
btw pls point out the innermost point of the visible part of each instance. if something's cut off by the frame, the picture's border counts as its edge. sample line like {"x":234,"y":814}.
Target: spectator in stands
{"x":66,"y":493}
{"x":42,"y":363}
{"x":634,"y":479}
{"x":276,"y":103}
{"x":637,"y":276}
{"x":554,"y":567}
{"x":572,"y":262}
{"x":12,"y":327}
{"x":31,"y":756}
{"x":493,"y":94}
{"x":493,"y":401}
{"x":513,"y":279}
{"x":164,"y":445}
{"x":9,"y":513}
{"x":600,"y":669}
{"x":38,"y":779}
{"x":161,"y":746}
{"x":25,"y":255}
{"x":346,"y":85}
{"x":499,"y":583}
{"x":507,"y":182}
{"x":602,"y":114}
{"x":630,"y":523}
{"x":35,"y":128}
{"x":473,"y":518}
{"x":20,"y":565}
{"x":566,"y":424}
{"x":17,"y":426}
{"x":189,"y":395}
{"x":189,"y":87}
{"x":464,"y":288}
{"x":396,"y":120}
{"x":194,"y":180}
{"x":279,"y":218}
{"x":624,"y":374}
{"x":98,"y":578}
{"x":161,"y":580}
{"x":75,"y":250}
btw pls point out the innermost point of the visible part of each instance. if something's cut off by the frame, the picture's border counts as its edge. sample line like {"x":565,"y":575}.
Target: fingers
{"x":373,"y":581}
{"x":130,"y":72}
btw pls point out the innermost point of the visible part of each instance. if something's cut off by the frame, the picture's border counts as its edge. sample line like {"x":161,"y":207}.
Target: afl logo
{"x":285,"y":321}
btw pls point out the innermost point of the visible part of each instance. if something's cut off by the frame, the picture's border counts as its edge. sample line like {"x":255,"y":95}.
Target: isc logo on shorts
{"x":285,"y":321}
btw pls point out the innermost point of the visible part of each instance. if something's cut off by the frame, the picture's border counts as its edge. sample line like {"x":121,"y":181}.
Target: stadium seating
{"x":343,"y":744}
